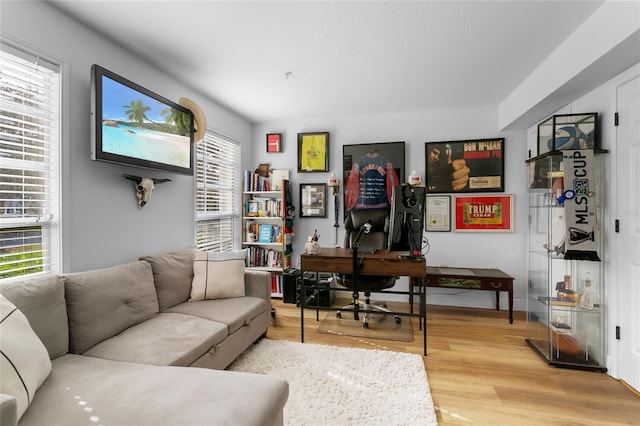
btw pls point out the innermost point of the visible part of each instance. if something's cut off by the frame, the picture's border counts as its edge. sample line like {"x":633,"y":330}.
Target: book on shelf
{"x":254,"y":182}
{"x":266,"y":234}
{"x":276,"y":283}
{"x":264,"y":258}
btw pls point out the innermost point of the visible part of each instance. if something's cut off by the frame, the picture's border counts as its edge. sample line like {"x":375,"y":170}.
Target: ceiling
{"x":272,"y":61}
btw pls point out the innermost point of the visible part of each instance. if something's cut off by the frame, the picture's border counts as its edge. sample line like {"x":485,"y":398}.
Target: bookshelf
{"x":263,"y":228}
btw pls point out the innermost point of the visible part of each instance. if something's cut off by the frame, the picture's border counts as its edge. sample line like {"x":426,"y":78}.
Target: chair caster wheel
{"x":398,"y":320}
{"x":365,"y":325}
{"x":338,"y":315}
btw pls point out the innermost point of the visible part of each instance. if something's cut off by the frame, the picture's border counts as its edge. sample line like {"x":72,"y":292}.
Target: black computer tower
{"x":290,"y":285}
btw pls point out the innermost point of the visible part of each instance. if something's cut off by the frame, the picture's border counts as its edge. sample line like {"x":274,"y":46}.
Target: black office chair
{"x":368,"y":242}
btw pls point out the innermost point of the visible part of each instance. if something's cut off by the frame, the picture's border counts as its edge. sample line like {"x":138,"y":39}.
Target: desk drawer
{"x":496,"y":284}
{"x":452,"y":282}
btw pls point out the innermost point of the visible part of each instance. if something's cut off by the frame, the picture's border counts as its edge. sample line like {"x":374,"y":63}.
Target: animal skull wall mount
{"x":144,"y":187}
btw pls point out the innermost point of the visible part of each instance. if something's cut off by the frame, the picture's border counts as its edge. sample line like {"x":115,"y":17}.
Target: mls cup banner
{"x":580,"y":206}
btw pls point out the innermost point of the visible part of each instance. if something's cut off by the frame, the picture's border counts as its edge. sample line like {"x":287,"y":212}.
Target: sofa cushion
{"x":234,"y":312}
{"x":25,"y":362}
{"x":167,"y":339}
{"x":172,"y":276}
{"x":218,"y":275}
{"x":42,"y":301}
{"x":103,"y":302}
{"x":83,"y":390}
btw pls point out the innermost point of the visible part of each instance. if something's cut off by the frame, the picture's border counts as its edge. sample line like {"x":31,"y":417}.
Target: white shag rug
{"x":331,"y":385}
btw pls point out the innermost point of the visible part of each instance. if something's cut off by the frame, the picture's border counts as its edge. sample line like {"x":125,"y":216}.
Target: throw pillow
{"x":218,"y":275}
{"x":103,"y":302}
{"x":42,"y":301}
{"x":172,"y":276}
{"x":25,"y":362}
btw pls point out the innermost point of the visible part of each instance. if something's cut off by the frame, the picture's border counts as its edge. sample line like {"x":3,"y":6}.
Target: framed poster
{"x":483,"y":213}
{"x":437,"y":213}
{"x":313,"y":200}
{"x":274,"y":142}
{"x":465,"y":166}
{"x":313,"y":152}
{"x":370,"y":171}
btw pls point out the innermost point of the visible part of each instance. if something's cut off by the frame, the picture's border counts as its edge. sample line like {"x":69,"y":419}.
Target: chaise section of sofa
{"x":83,"y":390}
{"x":120,"y":340}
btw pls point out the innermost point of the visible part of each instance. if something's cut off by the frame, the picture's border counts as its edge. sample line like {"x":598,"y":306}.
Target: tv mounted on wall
{"x":134,"y":126}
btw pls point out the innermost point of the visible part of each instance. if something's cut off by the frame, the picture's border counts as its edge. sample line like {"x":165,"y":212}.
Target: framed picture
{"x":313,"y":152}
{"x":484,"y":213}
{"x":465,"y":166}
{"x":370,"y":171}
{"x":313,"y":200}
{"x":274,"y":142}
{"x":437,"y":213}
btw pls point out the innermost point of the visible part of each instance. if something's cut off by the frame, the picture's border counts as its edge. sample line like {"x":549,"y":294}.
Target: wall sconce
{"x":414,"y":179}
{"x":334,"y":183}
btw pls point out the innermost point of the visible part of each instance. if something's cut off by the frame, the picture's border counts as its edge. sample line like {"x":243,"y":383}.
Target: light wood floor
{"x":481,"y":371}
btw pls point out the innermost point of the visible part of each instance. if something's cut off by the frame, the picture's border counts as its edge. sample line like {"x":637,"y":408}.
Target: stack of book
{"x":254,"y":182}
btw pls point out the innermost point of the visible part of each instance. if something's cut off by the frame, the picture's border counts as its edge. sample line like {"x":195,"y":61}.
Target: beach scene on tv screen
{"x":139,"y":126}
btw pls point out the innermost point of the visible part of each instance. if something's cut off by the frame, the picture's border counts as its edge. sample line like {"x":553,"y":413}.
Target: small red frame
{"x":274,"y":142}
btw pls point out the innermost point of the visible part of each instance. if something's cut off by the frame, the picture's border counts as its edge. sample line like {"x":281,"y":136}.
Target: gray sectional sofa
{"x":127,"y":347}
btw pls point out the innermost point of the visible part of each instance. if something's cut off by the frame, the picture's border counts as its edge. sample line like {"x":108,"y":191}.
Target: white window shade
{"x":217,"y":193}
{"x":29,"y":157}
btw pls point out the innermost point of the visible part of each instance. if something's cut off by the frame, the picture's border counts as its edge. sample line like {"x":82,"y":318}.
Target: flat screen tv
{"x":134,"y":126}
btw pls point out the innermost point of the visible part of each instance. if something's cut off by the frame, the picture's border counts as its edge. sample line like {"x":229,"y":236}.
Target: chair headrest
{"x":378,"y":218}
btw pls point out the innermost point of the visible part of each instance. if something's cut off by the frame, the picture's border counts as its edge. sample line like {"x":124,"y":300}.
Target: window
{"x":217,"y":189}
{"x":30,"y":101}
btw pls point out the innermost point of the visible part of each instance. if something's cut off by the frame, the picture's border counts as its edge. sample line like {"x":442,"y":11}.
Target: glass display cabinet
{"x":565,"y":291}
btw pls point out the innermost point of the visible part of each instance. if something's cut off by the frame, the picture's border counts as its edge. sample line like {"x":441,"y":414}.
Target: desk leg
{"x":423,"y":315}
{"x":302,"y":301}
{"x":411,"y":283}
{"x":497,"y":300}
{"x":510,"y":292}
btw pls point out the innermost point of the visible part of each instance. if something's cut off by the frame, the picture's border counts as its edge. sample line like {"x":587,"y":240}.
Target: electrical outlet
{"x":493,"y":266}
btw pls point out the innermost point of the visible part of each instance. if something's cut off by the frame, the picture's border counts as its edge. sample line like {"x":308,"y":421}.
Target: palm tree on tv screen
{"x":177,"y":118}
{"x":136,"y":111}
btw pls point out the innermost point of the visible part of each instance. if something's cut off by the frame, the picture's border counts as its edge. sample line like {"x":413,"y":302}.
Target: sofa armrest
{"x":258,"y":284}
{"x":8,"y":410}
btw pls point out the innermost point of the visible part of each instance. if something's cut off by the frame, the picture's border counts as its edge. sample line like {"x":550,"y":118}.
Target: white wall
{"x":102,"y":225}
{"x":507,"y":251}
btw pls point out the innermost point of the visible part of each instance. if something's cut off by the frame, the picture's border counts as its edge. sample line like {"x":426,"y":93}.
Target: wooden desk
{"x":382,"y":262}
{"x":469,"y":278}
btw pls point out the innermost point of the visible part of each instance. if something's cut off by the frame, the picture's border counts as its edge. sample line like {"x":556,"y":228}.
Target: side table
{"x":467,"y":278}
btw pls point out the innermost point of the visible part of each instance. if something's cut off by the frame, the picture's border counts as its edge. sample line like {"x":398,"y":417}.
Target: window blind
{"x":29,"y":156}
{"x":217,"y":192}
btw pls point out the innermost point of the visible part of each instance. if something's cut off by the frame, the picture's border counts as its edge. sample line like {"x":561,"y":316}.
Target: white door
{"x":628,"y":213}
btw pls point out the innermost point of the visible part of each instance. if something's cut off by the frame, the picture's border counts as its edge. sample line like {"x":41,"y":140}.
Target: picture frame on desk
{"x":483,"y":213}
{"x":438,"y":213}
